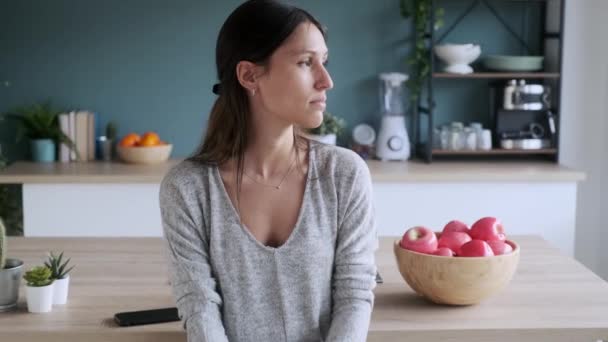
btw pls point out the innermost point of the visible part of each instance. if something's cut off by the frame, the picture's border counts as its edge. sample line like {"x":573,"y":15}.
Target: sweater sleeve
{"x":192,"y":282}
{"x":354,"y":265}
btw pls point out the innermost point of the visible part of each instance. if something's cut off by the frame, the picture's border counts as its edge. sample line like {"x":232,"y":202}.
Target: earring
{"x":253,"y":92}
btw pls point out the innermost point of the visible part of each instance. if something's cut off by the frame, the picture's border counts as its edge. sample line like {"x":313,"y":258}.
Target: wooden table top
{"x":551,"y":298}
{"x":99,"y":172}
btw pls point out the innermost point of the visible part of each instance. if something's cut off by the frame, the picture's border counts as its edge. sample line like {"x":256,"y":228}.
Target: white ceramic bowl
{"x":457,"y":57}
{"x":145,"y":155}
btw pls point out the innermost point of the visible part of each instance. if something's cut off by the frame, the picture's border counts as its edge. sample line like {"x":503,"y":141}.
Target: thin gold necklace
{"x":277,"y":187}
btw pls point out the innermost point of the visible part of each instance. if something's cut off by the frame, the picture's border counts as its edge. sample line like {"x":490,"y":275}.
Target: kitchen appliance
{"x":393,"y":141}
{"x":525,"y":96}
{"x":523,"y":112}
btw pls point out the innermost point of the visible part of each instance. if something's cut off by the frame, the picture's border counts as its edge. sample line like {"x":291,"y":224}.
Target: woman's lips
{"x":319,"y":103}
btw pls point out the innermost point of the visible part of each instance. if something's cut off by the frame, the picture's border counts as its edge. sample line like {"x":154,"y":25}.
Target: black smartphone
{"x":125,"y":319}
{"x":379,"y":279}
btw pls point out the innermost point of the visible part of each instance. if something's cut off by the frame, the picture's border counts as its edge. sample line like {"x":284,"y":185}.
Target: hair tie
{"x":217,"y":88}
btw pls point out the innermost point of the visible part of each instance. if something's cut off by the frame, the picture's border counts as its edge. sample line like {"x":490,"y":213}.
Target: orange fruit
{"x":130,"y":140}
{"x":149,"y":139}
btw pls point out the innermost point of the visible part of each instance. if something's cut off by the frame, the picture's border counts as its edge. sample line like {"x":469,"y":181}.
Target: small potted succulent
{"x":329,"y":129}
{"x":106,"y":142}
{"x":10,"y":275}
{"x":39,"y":289}
{"x":60,"y":275}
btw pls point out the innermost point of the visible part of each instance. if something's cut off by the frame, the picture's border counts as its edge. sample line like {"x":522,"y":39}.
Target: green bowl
{"x":513,"y":63}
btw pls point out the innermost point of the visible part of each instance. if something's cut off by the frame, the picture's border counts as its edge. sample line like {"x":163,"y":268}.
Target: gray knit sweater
{"x":317,"y":286}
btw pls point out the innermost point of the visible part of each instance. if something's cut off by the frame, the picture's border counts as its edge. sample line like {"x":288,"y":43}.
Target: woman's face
{"x":293,"y":86}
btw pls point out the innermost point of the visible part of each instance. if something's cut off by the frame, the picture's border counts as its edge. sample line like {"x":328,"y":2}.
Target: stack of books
{"x":79,"y":126}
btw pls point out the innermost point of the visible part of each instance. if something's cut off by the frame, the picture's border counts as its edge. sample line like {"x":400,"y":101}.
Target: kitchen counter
{"x":412,"y":171}
{"x":109,"y":199}
{"x":551,"y":298}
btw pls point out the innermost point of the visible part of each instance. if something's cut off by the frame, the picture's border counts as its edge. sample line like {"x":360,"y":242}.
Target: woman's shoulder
{"x":338,"y":160}
{"x":187,"y":172}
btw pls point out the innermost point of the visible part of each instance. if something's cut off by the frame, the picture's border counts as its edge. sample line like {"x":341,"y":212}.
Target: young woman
{"x":270,"y":236}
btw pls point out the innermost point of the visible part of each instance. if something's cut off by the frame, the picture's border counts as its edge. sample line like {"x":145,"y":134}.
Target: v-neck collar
{"x":234,"y":213}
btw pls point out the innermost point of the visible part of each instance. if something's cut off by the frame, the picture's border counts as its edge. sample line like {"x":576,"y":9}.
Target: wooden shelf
{"x":497,"y":75}
{"x":497,"y":151}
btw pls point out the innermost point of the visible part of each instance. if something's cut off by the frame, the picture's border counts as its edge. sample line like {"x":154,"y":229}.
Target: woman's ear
{"x":246,"y":73}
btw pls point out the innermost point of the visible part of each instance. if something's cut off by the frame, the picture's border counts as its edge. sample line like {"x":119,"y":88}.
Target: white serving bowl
{"x":457,"y":57}
{"x":145,"y":155}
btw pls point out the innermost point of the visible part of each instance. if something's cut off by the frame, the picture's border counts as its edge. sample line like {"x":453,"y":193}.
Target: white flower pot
{"x":329,"y":139}
{"x":60,"y":290}
{"x":39,"y":298}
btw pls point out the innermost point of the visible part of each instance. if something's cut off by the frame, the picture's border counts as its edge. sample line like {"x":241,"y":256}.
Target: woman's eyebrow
{"x":313,"y":52}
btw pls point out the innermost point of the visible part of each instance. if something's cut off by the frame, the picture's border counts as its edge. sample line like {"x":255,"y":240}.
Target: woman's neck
{"x":269,"y":153}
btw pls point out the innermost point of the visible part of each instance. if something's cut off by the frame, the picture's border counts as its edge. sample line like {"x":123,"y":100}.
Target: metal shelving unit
{"x":500,"y":75}
{"x":426,"y":109}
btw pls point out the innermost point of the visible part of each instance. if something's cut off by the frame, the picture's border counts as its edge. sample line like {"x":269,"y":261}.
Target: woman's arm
{"x":354,"y":265}
{"x":194,"y":287}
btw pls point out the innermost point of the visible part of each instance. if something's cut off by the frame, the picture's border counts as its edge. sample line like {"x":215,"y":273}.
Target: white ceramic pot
{"x":60,"y":290}
{"x":457,"y":57}
{"x":329,"y":139}
{"x":39,"y":298}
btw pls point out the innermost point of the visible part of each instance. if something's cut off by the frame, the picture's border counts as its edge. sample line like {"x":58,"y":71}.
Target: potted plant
{"x":329,"y":129}
{"x":10,"y":275}
{"x":60,"y":276}
{"x":39,"y":123}
{"x":39,"y":289}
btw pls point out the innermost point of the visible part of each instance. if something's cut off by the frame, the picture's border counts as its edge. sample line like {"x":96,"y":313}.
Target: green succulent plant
{"x":111,"y":131}
{"x":58,"y":269}
{"x":38,"y":276}
{"x":331,"y":125}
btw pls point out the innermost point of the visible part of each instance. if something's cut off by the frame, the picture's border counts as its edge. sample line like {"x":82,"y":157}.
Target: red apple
{"x":500,"y":247}
{"x":455,"y":226}
{"x":453,"y":240}
{"x":443,"y":251}
{"x":419,"y":239}
{"x":475,"y":248}
{"x":487,"y":229}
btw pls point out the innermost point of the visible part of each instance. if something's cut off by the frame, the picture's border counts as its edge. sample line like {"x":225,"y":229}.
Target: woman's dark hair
{"x":251,"y":33}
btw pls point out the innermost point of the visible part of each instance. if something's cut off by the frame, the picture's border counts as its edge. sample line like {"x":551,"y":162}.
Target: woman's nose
{"x":324,"y":81}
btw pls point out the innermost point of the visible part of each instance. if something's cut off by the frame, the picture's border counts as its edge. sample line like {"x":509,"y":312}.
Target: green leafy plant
{"x":40,"y":121}
{"x":38,"y":276}
{"x":10,"y":204}
{"x":331,"y":125}
{"x":58,"y":269}
{"x":420,"y":11}
{"x":10,"y":201}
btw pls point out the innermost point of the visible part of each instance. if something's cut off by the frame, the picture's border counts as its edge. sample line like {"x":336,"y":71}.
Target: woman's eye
{"x":307,"y":63}
{"x":326,"y":63}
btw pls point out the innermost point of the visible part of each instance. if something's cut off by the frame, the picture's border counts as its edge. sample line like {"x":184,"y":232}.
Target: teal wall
{"x":149,"y":64}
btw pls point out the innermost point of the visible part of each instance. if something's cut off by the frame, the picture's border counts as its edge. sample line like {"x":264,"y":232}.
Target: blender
{"x":393,"y":142}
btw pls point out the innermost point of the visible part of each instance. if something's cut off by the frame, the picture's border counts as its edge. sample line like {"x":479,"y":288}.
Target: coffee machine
{"x":523,"y":116}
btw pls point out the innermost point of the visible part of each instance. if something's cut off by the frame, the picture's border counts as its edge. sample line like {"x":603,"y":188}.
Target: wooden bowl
{"x":145,"y":155}
{"x":456,"y":280}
